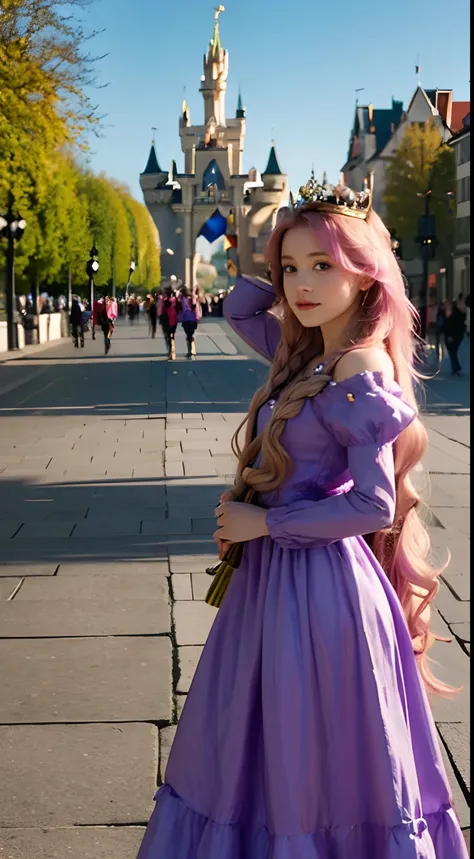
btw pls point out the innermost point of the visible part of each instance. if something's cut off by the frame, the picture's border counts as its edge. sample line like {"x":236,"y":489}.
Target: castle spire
{"x":152,"y":165}
{"x":214,"y":79}
{"x":215,"y":44}
{"x":273,"y":167}
{"x":240,"y":112}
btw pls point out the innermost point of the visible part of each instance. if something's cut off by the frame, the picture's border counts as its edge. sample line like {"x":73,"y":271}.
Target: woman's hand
{"x":239,"y":522}
{"x":223,"y":545}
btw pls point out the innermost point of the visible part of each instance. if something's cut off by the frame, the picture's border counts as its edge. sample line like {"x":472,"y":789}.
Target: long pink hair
{"x":385,"y":316}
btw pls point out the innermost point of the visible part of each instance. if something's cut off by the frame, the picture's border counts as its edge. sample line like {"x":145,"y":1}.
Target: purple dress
{"x":307,"y":733}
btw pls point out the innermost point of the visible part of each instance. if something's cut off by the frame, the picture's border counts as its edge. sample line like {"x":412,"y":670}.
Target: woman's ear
{"x":365,"y":283}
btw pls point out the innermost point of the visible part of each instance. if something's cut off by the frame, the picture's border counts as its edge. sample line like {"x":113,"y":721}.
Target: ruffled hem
{"x":176,"y":831}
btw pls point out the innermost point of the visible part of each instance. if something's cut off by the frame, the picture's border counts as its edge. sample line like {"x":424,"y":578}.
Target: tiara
{"x":335,"y":199}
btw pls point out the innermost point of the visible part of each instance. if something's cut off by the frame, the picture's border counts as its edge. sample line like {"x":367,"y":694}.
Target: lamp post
{"x":92,"y":267}
{"x":11,"y":228}
{"x":130,"y":272}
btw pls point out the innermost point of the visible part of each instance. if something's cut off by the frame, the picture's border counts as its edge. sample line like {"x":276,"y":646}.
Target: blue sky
{"x":297,"y":63}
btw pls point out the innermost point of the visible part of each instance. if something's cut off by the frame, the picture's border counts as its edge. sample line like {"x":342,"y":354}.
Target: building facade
{"x":213,"y":197}
{"x":461,"y":143}
{"x":376,"y":135}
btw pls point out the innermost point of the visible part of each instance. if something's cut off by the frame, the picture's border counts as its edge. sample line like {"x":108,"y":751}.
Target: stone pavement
{"x":110,"y":469}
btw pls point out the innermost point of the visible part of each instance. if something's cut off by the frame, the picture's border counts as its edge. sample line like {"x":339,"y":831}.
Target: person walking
{"x":307,"y":731}
{"x":168,"y":320}
{"x":439,"y":326}
{"x":152,"y":315}
{"x":107,"y":321}
{"x":454,"y":329}
{"x":96,"y":315}
{"x":77,"y":322}
{"x":189,"y":314}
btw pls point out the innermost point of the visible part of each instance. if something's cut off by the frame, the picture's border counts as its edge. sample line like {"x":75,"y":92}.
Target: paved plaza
{"x":110,"y":468}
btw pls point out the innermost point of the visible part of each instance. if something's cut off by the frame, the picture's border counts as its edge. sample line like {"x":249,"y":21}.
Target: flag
{"x":230,"y":242}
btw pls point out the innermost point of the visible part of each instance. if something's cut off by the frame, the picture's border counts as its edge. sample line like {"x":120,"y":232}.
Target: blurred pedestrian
{"x":96,"y":315}
{"x":189,"y":314}
{"x":107,"y":321}
{"x":152,"y":315}
{"x":168,"y":319}
{"x":454,"y":329}
{"x":439,"y":326}
{"x":77,"y":323}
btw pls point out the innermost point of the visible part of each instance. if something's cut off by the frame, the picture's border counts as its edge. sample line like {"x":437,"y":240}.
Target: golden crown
{"x":335,"y":199}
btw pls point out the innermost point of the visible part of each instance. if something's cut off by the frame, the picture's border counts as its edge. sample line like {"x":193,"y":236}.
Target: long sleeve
{"x":367,"y":507}
{"x":246,"y":309}
{"x":365,"y":418}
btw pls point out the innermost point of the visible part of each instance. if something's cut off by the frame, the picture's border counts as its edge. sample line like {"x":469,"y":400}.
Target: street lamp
{"x":130,"y":272}
{"x":92,"y":267}
{"x":11,"y":228}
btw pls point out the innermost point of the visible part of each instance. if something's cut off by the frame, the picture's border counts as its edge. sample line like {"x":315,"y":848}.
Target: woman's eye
{"x":289,"y":269}
{"x":322,"y":266}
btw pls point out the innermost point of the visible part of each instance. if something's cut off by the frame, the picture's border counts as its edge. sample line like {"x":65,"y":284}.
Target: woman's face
{"x":317,"y":289}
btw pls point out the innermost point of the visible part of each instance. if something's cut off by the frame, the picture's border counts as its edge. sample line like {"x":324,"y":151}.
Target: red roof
{"x":460,"y":110}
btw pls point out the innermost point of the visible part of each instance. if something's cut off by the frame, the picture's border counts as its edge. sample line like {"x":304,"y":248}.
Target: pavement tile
{"x":454,"y":518}
{"x":451,"y":609}
{"x":45,"y":530}
{"x":189,"y":657}
{"x":166,"y":526}
{"x":70,"y":775}
{"x":81,"y":617}
{"x":81,"y":842}
{"x":193,"y":468}
{"x":450,"y":664}
{"x":181,"y":586}
{"x":99,"y":585}
{"x":9,"y":527}
{"x":204,"y":526}
{"x":450,"y":490}
{"x":174,"y":469}
{"x":201,"y":583}
{"x":22,"y":569}
{"x":191,"y":563}
{"x":457,"y":738}
{"x":167,"y":736}
{"x":135,"y":568}
{"x":193,"y":622}
{"x":92,"y":527}
{"x":461,"y":631}
{"x":86,"y":680}
{"x":7,"y":586}
{"x":459,"y":800}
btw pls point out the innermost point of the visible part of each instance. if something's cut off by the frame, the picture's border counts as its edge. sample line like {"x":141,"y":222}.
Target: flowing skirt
{"x":307,"y":733}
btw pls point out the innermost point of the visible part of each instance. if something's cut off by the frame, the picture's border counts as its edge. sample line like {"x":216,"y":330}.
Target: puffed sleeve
{"x":246,"y":310}
{"x":365,"y":416}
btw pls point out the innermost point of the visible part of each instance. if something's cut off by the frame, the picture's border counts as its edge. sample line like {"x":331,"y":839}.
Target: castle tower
{"x":214,"y":79}
{"x":210,"y":198}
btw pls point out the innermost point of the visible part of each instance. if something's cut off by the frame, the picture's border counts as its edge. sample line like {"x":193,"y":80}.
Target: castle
{"x":213,"y":198}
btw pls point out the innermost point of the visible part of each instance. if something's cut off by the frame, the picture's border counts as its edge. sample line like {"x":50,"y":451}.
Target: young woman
{"x":307,"y":732}
{"x":168,"y":317}
{"x":189,"y":314}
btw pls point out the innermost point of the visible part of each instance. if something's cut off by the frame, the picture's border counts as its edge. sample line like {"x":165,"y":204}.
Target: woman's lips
{"x":307,"y":305}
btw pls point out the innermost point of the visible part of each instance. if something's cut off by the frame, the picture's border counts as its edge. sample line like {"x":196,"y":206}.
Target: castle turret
{"x":272,"y":177}
{"x":153,"y":176}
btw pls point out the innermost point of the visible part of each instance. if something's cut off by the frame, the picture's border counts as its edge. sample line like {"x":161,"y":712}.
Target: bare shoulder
{"x":373,"y":359}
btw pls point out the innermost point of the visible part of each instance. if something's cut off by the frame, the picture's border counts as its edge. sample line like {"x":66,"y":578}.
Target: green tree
{"x":145,"y":243}
{"x":421,"y":162}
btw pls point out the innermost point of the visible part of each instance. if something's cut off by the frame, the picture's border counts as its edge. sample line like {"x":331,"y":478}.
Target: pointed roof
{"x":273,"y":167}
{"x":152,"y":165}
{"x":240,"y":112}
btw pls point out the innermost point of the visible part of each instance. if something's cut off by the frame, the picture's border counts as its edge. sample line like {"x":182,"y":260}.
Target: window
{"x":463,"y":226}
{"x":464,"y":150}
{"x":464,"y":190}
